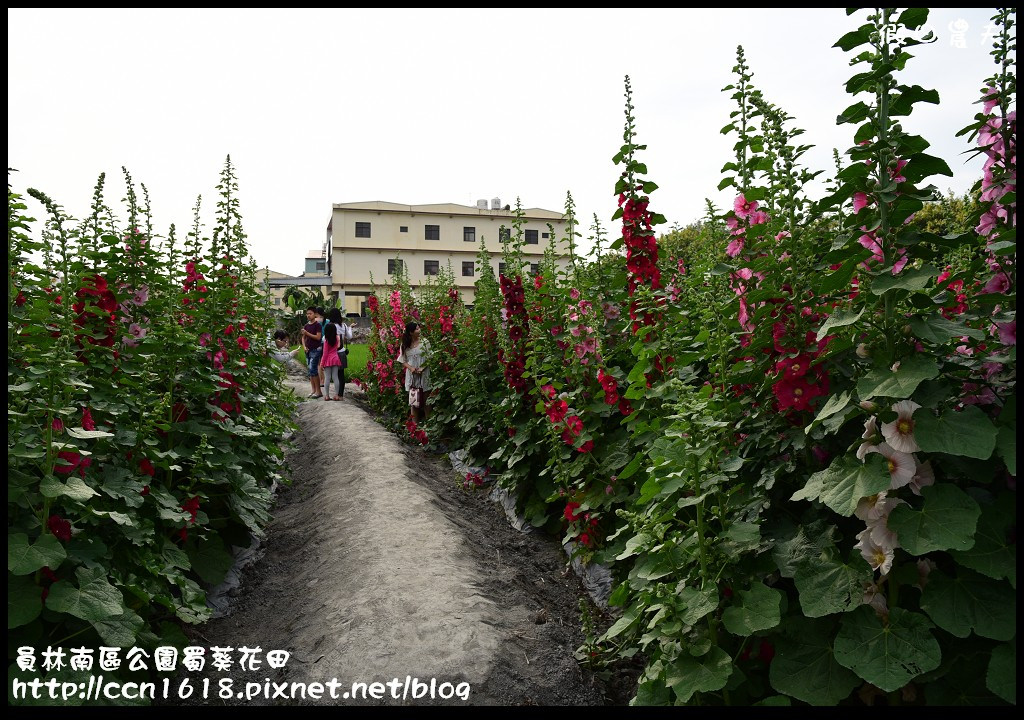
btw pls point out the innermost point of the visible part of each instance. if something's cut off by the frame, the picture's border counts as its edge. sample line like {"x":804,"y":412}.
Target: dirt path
{"x":378,"y":565}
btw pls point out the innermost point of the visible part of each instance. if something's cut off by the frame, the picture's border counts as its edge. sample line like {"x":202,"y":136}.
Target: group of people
{"x":324,"y":338}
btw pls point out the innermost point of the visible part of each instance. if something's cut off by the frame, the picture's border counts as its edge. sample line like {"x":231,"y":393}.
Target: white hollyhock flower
{"x":924,"y":477}
{"x":902,"y":466}
{"x":877,"y":556}
{"x":900,"y":432}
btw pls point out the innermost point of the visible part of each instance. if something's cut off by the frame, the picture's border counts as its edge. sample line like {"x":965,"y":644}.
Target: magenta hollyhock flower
{"x":590,"y":344}
{"x":1008,"y":332}
{"x":574,"y":293}
{"x":57,"y":425}
{"x":141,"y":295}
{"x":860,"y":201}
{"x":758,"y":217}
{"x":999,"y":283}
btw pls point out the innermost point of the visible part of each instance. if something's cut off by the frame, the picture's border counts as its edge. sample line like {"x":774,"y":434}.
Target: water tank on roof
{"x":481,"y":204}
{"x":495,"y":203}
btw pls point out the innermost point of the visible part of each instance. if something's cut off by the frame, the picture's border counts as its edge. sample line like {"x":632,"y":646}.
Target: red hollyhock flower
{"x":21,"y":299}
{"x":87,"y":422}
{"x":243,"y":342}
{"x":230,"y":329}
{"x":585,"y":539}
{"x":793,"y":367}
{"x":145,"y":491}
{"x":57,"y":425}
{"x":625,"y":407}
{"x":587,"y":446}
{"x":49,"y":574}
{"x":59,"y":527}
{"x":183,"y":534}
{"x":191,"y":506}
{"x":557,"y":410}
{"x":570,"y":513}
{"x":146,"y":467}
{"x":574,"y":424}
{"x":73,"y":459}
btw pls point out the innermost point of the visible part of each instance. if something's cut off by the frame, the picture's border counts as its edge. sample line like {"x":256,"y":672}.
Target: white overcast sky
{"x":415,"y":106}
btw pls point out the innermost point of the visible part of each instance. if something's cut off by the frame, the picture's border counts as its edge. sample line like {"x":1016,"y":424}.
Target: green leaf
{"x":23,"y":559}
{"x":946,"y":521}
{"x":968,"y":432}
{"x":1001,"y":677}
{"x":900,"y":384}
{"x":840,"y":318}
{"x":87,"y":434}
{"x":94,"y":599}
{"x":698,"y":603}
{"x":689,"y":675}
{"x":913,"y":18}
{"x":828,"y":585}
{"x":970,"y":602}
{"x":774,"y":701}
{"x":24,"y":601}
{"x":843,"y":483}
{"x":805,"y":666}
{"x":853,"y":38}
{"x":75,"y":488}
{"x":121,"y":630}
{"x":939,"y":330}
{"x":795,"y":546}
{"x":910,"y":280}
{"x":836,"y":403}
{"x":993,"y":554}
{"x":759,"y":609}
{"x":627,"y":619}
{"x":887,"y":654}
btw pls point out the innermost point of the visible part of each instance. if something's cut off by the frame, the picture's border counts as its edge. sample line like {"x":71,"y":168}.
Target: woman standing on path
{"x":344,"y":336}
{"x":413,"y":357}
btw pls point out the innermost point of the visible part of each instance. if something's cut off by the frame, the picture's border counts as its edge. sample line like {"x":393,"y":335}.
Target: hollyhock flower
{"x":145,"y":491}
{"x":570,"y":513}
{"x":73,"y":459}
{"x":870,"y":435}
{"x":869,"y":242}
{"x":860,"y":201}
{"x":21,"y":299}
{"x":243,"y":342}
{"x":735,"y":246}
{"x":586,"y":447}
{"x":137,"y":331}
{"x":758,"y":217}
{"x":141,"y":295}
{"x":999,"y":283}
{"x":924,"y":477}
{"x":515,"y":333}
{"x":574,"y":424}
{"x":146,"y":467}
{"x":742,"y":207}
{"x":191,"y":506}
{"x":204,"y":339}
{"x":902,"y":466}
{"x":625,"y":407}
{"x":793,"y":367}
{"x":57,"y":425}
{"x":611,"y":311}
{"x":895,"y":173}
{"x":87,"y":422}
{"x":900,"y":432}
{"x":574,"y":293}
{"x":877,"y":556}
{"x":874,"y":597}
{"x":59,"y":527}
{"x":548,"y":390}
{"x":590,"y":344}
{"x":1007,"y":332}
{"x":557,"y":410}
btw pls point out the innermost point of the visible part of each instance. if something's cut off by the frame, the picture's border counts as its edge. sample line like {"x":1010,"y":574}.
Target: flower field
{"x":789,"y":430}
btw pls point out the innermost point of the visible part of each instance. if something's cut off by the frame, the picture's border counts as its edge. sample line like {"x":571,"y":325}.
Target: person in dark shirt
{"x":312,"y":334}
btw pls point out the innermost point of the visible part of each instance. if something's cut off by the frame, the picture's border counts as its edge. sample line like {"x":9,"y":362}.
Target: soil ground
{"x":379,"y":565}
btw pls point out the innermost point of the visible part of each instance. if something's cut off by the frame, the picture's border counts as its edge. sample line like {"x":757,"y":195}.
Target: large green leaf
{"x":970,"y":602}
{"x":1006,"y":446}
{"x":799,"y":544}
{"x":94,"y":599}
{"x":23,"y":558}
{"x":900,"y":384}
{"x":937,"y":329}
{"x":24,"y":601}
{"x":946,"y":521}
{"x":911,"y":280}
{"x":968,"y":432}
{"x":887,"y":654}
{"x":994,"y":554}
{"x":698,"y":603}
{"x":843,"y":483}
{"x":828,"y":585}
{"x":837,"y":319}
{"x":75,"y":488}
{"x":759,"y":609}
{"x":805,"y":666}
{"x":689,"y":675}
{"x":1001,"y":678}
{"x":120,"y":630}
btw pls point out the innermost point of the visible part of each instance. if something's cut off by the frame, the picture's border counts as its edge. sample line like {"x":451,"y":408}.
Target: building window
{"x":432,"y":232}
{"x":431,"y":267}
{"x":534,"y":268}
{"x":321,"y":265}
{"x":362,"y":229}
{"x":403,"y":228}
{"x":468,"y":268}
{"x":469,"y":234}
{"x":501,"y":268}
{"x":544,"y":236}
{"x":394,"y":265}
{"x":277,"y":301}
{"x":504,"y":235}
{"x":531,"y":237}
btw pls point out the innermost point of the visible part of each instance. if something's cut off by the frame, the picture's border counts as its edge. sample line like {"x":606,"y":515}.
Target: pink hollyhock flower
{"x":902,"y":466}
{"x":924,"y":477}
{"x":873,"y":508}
{"x":991,"y":98}
{"x":999,"y":283}
{"x":874,"y":597}
{"x":141,"y":295}
{"x":611,"y":312}
{"x":574,"y":294}
{"x":575,"y":330}
{"x":580,"y":351}
{"x":742,"y":207}
{"x":585,"y":306}
{"x":590,"y":344}
{"x":137,"y":331}
{"x":204,"y":339}
{"x":860,"y":201}
{"x":896,"y":173}
{"x":758,"y":217}
{"x":735,"y":246}
{"x":900,"y":432}
{"x":869,"y":242}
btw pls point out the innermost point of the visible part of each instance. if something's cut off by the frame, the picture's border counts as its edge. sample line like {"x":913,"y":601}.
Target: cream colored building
{"x":368,"y":238}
